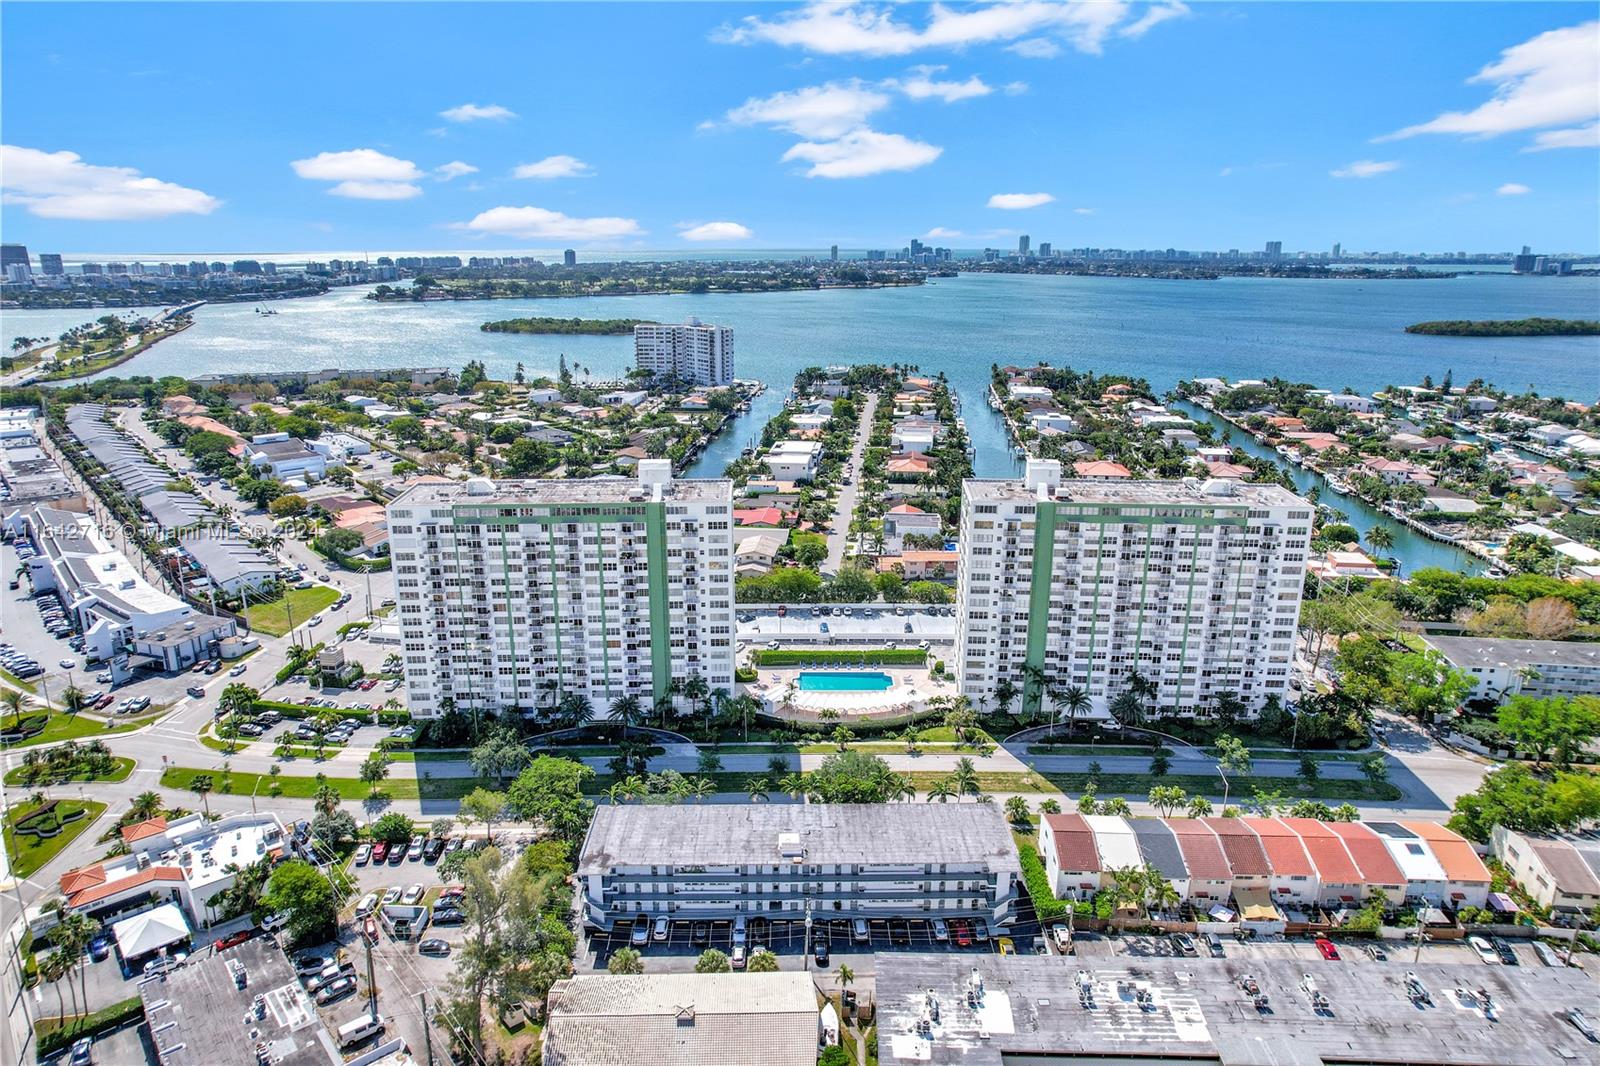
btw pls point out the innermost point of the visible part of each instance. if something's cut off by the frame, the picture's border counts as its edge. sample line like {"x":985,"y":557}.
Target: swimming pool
{"x":844,"y":681}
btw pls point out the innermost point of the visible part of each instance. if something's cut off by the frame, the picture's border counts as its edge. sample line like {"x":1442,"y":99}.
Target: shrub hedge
{"x":52,"y":1039}
{"x":841,"y":657}
{"x":1045,"y":904}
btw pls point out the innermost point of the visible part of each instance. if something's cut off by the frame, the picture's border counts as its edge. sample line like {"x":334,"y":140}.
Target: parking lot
{"x":1300,"y":949}
{"x":878,"y":624}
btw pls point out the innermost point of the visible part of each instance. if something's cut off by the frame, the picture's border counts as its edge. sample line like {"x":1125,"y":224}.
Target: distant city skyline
{"x":1421,"y":128}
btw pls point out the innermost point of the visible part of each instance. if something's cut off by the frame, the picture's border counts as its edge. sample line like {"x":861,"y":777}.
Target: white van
{"x":358,"y":1029}
{"x":739,"y":931}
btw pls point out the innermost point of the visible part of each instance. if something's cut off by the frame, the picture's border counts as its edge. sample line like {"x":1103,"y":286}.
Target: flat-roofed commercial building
{"x":682,"y":1019}
{"x":514,"y":593}
{"x":1193,"y":586}
{"x":944,"y":1009}
{"x":788,"y":862}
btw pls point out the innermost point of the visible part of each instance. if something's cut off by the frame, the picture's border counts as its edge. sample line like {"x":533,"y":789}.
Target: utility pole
{"x":427,"y":1025}
{"x":372,"y":984}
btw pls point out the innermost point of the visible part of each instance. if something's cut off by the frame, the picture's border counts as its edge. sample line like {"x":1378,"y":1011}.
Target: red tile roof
{"x":81,"y":878}
{"x":1101,"y":468}
{"x":96,"y":893}
{"x":1460,"y":862}
{"x":758,"y":516}
{"x":1284,"y":850}
{"x":1242,"y":847}
{"x":1075,"y":847}
{"x":1327,"y":851}
{"x":1202,"y":851}
{"x":906,"y":508}
{"x":147,"y":828}
{"x":1370,"y":853}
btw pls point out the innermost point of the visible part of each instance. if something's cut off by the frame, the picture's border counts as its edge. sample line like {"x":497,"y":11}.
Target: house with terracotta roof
{"x":759,"y":516}
{"x":1379,"y":871}
{"x":1210,"y":876}
{"x":923,"y":565}
{"x":1293,"y":876}
{"x":907,"y":467}
{"x":1339,"y":880}
{"x":1466,"y":877}
{"x":1245,"y":853}
{"x":1071,"y":859}
{"x":1102,"y":469}
{"x":188,"y":861}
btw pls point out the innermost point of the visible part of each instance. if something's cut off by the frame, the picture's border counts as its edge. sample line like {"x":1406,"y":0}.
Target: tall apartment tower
{"x":1022,"y":244}
{"x":1274,"y":249}
{"x":1194,"y":586}
{"x":694,"y":353}
{"x":833,"y":253}
{"x":14,"y":255}
{"x":513,"y":594}
{"x":50,"y":264}
{"x":569,"y":258}
{"x":1337,"y":249}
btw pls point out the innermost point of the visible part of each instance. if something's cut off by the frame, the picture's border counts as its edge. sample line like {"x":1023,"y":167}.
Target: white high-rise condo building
{"x":514,"y":594}
{"x":693,"y":352}
{"x":1192,"y":586}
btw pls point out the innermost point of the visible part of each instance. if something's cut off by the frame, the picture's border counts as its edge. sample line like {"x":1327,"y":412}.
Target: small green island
{"x":1517,"y":327}
{"x":589,"y":327}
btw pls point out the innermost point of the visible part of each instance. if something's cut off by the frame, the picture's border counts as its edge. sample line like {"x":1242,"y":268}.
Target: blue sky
{"x":258,"y":127}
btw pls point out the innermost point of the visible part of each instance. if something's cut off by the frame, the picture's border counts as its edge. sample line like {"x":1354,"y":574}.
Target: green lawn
{"x":273,"y":617}
{"x":1138,"y":785}
{"x":13,"y":679}
{"x":29,"y":853}
{"x":294,"y":786}
{"x":64,"y":726}
{"x":120,"y":770}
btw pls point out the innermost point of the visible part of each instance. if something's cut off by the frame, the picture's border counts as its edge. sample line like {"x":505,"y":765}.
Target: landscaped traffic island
{"x":36,"y":832}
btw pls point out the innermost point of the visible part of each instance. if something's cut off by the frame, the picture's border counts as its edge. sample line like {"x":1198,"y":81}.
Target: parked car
{"x":236,"y":671}
{"x":1481,"y":946}
{"x":412,"y":896}
{"x":737,"y":959}
{"x":336,"y":991}
{"x":433,"y":849}
{"x":434,"y":946}
{"x":639,"y":935}
{"x":196,"y":691}
{"x":1007,"y":946}
{"x":310,"y":964}
{"x":962,"y":932}
{"x":859,"y":931}
{"x":100,"y":948}
{"x":1326,"y":948}
{"x":1503,"y":950}
{"x":397,"y":854}
{"x":414,"y":852}
{"x":941,"y":930}
{"x":661,"y":928}
{"x":1184,"y":945}
{"x":391,"y":895}
{"x":448,"y":916}
{"x":819,"y":952}
{"x":1376,"y":953}
{"x":82,"y":1051}
{"x":380,"y":851}
{"x":1547,"y":954}
{"x":232,"y":940}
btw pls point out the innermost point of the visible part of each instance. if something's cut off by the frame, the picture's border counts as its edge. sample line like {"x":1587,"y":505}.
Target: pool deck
{"x":779,"y":691}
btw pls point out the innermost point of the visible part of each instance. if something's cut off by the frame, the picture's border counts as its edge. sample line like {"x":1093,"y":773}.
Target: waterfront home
{"x":623,"y":397}
{"x":1551,"y":434}
{"x":1398,"y":471}
{"x":914,"y":439}
{"x":1316,"y":443}
{"x":1447,"y":501}
{"x":1349,"y":562}
{"x":1049,"y":418}
{"x":1031,"y":392}
{"x":1214,"y":454}
{"x":1285,"y":422}
{"x":908,"y":467}
{"x":1349,"y":402}
{"x":810,"y":420}
{"x":1228,"y":470}
{"x":1480,"y":404}
{"x":1183,"y":438}
{"x":544,"y":396}
{"x":794,"y":460}
{"x":903,"y":519}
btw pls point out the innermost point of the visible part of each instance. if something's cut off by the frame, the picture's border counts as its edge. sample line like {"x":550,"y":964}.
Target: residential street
{"x":839,"y":539}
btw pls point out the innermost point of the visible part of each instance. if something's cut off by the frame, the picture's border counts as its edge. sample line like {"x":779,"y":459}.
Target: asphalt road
{"x":839,"y":539}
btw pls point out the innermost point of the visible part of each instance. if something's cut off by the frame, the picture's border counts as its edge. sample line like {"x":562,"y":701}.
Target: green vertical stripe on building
{"x":655,"y":527}
{"x":1144,"y":594}
{"x":1044,"y":550}
{"x":1188,"y":614}
{"x":1094,"y":607}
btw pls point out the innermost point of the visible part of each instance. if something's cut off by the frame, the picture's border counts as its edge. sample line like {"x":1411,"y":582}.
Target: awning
{"x":1220,"y":913}
{"x":150,"y":931}
{"x":1501,"y":902}
{"x":1255,"y":904}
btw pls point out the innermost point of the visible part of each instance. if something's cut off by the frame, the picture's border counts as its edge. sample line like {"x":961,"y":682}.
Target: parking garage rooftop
{"x":1196,"y":1012}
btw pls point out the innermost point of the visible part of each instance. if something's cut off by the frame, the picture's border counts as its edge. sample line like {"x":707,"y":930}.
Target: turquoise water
{"x":844,"y":681}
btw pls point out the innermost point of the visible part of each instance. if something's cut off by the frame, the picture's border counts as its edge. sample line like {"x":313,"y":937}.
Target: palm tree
{"x":52,"y":968}
{"x":942,"y":790}
{"x":201,"y":786}
{"x":73,"y":936}
{"x":1379,"y":539}
{"x":794,"y":784}
{"x":965,"y":777}
{"x":1072,"y":702}
{"x":625,"y":709}
{"x":145,"y":805}
{"x":327,"y":799}
{"x":15,"y":702}
{"x":702,"y":789}
{"x":617,"y":793}
{"x":73,"y":699}
{"x":757,"y":789}
{"x":845,"y":976}
{"x":1127,"y":709}
{"x":1017,"y":810}
{"x":625,"y":961}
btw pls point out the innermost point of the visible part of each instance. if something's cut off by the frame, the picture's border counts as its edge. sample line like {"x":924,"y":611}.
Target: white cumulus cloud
{"x":1577,"y":137}
{"x":362,"y":174}
{"x":1028,"y":27}
{"x":861,"y":153}
{"x":454,"y":169}
{"x":62,"y":185}
{"x":716,"y":231}
{"x":554,"y":166}
{"x":1549,"y":80}
{"x":939,"y":232}
{"x":823,"y":111}
{"x":1513,"y":188}
{"x":533,"y":223}
{"x":1365,"y":168}
{"x":478,"y":113}
{"x":1154,"y":16}
{"x":1020,"y":201}
{"x":923,"y":85}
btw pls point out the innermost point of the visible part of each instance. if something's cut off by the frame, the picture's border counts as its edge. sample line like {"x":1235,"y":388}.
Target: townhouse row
{"x":1261,"y":863}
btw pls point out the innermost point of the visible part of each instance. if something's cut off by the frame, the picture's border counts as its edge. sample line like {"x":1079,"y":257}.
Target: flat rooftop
{"x":555,"y":491}
{"x":1198,"y":1014}
{"x":1490,"y":652}
{"x":1184,"y":493}
{"x":888,"y":834}
{"x":198,"y":1015}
